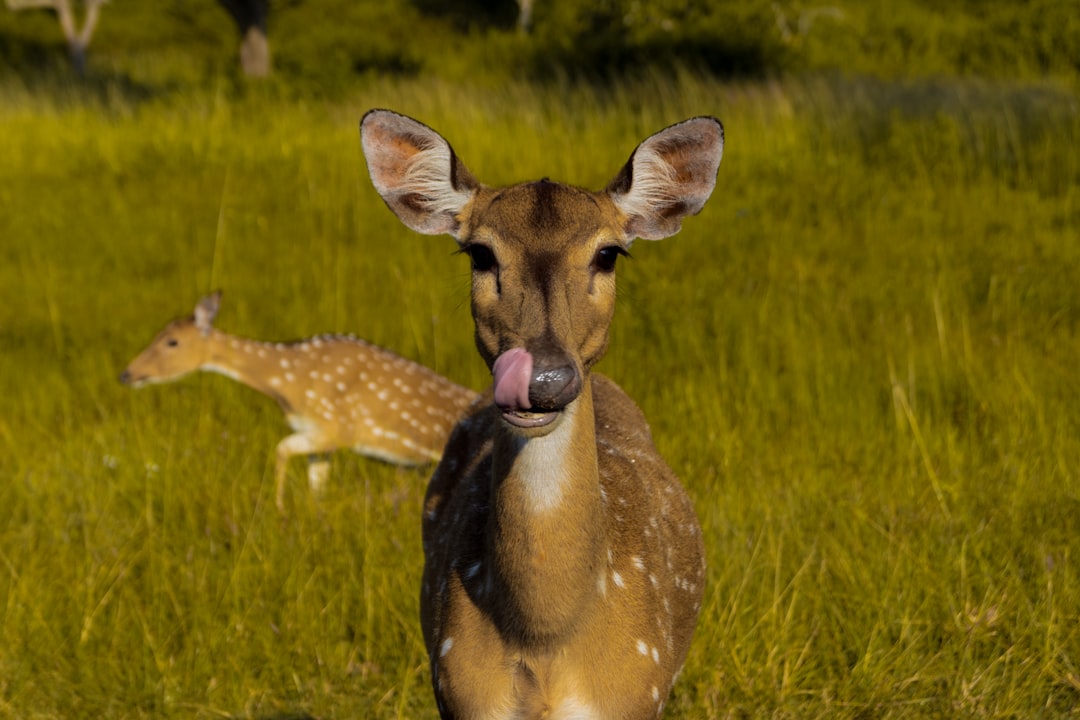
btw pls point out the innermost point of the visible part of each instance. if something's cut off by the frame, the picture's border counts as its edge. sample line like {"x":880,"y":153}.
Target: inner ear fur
{"x":416,"y":172}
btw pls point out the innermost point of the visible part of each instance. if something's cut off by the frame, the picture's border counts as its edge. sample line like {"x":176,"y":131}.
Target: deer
{"x":337,"y":391}
{"x":78,"y":40}
{"x":564,"y":563}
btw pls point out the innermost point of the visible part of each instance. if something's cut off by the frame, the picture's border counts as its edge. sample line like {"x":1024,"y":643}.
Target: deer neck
{"x":546,"y":533}
{"x":251,"y":362}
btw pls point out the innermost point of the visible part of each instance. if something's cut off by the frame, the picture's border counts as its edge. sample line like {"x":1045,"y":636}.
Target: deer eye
{"x":483,"y":259}
{"x":172,"y":342}
{"x":605,"y":258}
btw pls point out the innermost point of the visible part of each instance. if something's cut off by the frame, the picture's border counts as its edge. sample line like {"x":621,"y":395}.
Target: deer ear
{"x":416,"y":172}
{"x":669,"y":177}
{"x":206,"y":311}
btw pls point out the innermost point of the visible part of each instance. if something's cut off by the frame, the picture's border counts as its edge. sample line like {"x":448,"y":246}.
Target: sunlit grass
{"x":861,"y":359}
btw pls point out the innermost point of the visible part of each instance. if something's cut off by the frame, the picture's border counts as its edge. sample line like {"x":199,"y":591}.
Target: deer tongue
{"x":513,"y":373}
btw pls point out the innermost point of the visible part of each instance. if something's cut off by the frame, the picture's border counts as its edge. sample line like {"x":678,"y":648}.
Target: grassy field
{"x":862,"y":359}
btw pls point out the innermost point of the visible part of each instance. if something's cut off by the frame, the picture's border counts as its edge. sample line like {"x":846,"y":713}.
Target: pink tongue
{"x":513,"y":373}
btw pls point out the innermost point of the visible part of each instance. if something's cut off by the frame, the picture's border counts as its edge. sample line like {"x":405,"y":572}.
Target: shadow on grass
{"x":611,"y":61}
{"x":53,"y":76}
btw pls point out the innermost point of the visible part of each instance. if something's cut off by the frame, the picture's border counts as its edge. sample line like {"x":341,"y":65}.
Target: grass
{"x":861,"y":359}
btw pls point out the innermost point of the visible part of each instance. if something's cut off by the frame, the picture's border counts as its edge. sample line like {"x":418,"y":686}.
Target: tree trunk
{"x":255,"y":53}
{"x":250,"y":17}
{"x":525,"y":11}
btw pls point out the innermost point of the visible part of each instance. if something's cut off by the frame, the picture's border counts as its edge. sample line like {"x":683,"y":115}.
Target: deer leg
{"x":318,"y":469}
{"x":297,"y":444}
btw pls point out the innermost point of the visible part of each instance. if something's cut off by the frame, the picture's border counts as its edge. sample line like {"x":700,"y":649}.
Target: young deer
{"x":564,"y":565}
{"x":336,"y":391}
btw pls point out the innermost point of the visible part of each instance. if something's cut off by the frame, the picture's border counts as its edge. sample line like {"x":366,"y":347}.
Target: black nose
{"x":125,"y":377}
{"x":555,"y":387}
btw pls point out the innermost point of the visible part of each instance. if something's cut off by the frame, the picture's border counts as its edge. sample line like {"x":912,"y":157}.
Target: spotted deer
{"x":564,"y":564}
{"x":337,"y":391}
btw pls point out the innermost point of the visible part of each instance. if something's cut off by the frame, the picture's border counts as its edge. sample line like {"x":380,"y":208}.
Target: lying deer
{"x":564,"y":564}
{"x":336,"y":391}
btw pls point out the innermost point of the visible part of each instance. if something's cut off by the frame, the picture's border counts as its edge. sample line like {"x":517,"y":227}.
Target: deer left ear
{"x":669,"y":177}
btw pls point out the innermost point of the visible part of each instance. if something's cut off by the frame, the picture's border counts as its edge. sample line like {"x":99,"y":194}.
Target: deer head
{"x":179,"y":349}
{"x":543,"y":254}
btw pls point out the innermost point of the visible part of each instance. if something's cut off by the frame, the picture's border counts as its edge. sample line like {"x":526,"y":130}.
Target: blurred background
{"x":326,"y":47}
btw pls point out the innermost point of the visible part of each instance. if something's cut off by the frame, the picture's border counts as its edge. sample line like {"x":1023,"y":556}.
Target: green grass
{"x":861,"y":358}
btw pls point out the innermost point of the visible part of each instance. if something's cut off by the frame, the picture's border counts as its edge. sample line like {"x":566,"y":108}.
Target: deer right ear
{"x":206,"y":311}
{"x":416,"y":172}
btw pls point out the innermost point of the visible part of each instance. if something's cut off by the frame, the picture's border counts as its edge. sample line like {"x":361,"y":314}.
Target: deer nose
{"x":554,"y":387}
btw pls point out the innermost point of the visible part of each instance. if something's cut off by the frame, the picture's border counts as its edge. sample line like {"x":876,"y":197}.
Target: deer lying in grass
{"x":564,"y":564}
{"x":336,"y":391}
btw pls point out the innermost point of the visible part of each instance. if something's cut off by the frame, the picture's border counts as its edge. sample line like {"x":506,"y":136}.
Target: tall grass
{"x":861,"y":358}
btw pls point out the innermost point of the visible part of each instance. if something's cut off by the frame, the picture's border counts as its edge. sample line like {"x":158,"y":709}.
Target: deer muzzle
{"x":530,"y":392}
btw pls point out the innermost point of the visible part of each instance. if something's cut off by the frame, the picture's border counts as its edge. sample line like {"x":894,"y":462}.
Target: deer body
{"x":336,"y":391}
{"x":585,"y":613}
{"x":564,"y":566}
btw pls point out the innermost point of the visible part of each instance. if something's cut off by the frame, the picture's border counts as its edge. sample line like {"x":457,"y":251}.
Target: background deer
{"x":336,"y":391}
{"x":564,"y":566}
{"x":78,"y":40}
